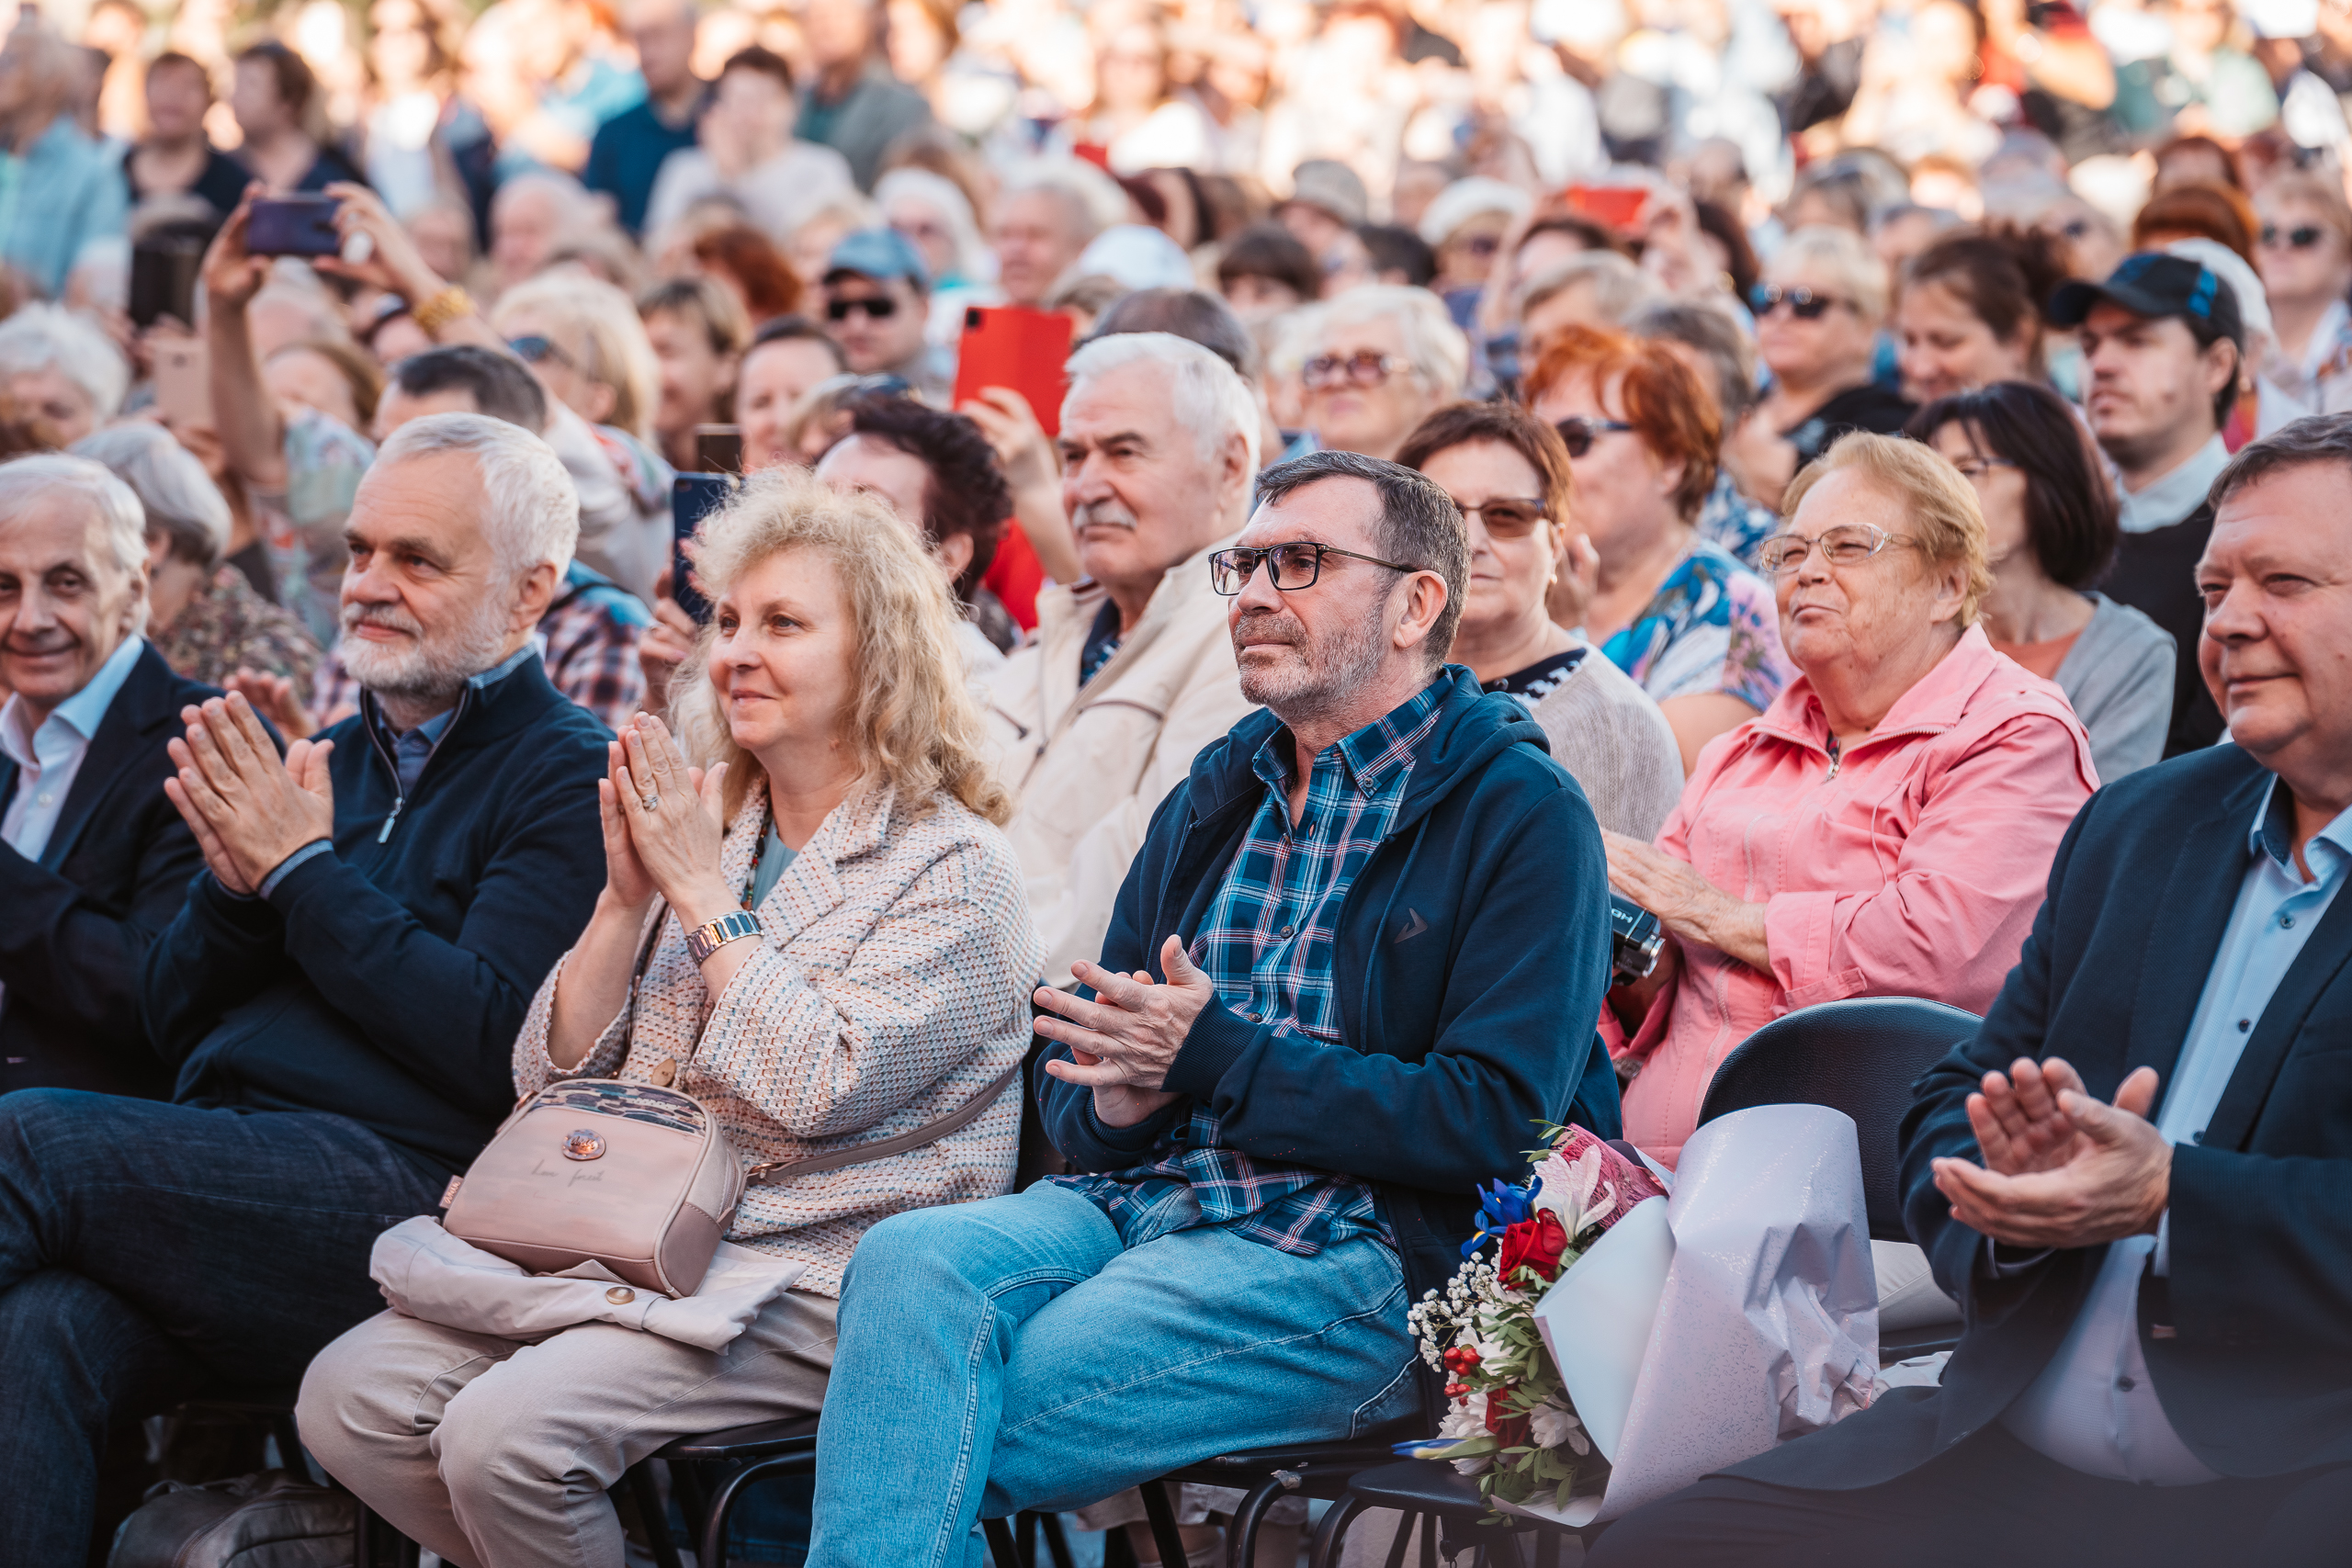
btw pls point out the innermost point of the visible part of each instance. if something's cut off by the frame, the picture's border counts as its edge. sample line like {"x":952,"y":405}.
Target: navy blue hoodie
{"x":385,"y":982}
{"x":1472,"y":951}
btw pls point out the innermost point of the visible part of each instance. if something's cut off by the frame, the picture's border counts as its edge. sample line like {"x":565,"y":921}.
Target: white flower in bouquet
{"x":1551,"y":1425}
{"x":1573,"y":1190}
{"x":1465,"y":1419}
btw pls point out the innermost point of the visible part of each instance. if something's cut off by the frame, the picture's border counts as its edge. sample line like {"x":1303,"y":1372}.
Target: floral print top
{"x":227,"y":627}
{"x":1713,"y":625}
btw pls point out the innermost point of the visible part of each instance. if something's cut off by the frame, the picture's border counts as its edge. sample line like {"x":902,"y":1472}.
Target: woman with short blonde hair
{"x":582,"y":339}
{"x":1818,"y":313}
{"x":832,"y":951}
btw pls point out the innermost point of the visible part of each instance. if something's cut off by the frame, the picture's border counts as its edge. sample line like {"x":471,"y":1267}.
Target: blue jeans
{"x":150,"y":1252}
{"x":1012,"y":1354}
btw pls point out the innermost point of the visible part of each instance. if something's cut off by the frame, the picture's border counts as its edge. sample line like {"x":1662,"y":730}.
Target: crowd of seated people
{"x":1206,"y":768}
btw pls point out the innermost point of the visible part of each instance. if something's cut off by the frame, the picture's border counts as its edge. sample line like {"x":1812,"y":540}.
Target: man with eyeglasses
{"x":878,"y":293}
{"x":1357,"y":958}
{"x":2163,"y":342}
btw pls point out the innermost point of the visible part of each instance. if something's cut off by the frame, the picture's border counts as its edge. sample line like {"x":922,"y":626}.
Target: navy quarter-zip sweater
{"x":1472,"y":953}
{"x":385,"y":982}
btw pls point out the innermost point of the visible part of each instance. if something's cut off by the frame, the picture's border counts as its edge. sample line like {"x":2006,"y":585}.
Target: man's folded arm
{"x":449,"y":1011}
{"x":1530,"y":965}
{"x":84,"y":963}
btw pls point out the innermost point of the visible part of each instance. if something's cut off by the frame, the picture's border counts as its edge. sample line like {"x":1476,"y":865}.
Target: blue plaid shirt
{"x":1266,"y":944}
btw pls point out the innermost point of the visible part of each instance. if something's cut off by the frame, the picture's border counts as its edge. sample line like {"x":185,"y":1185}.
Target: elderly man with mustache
{"x":339,"y":996}
{"x":1131,"y":673}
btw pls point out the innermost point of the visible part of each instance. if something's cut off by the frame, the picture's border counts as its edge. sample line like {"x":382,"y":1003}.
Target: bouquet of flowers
{"x":1509,"y":1421}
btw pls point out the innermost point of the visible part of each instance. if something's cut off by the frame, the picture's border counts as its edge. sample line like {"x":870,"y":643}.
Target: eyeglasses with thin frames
{"x":1364,"y":370}
{"x":1505,"y":516}
{"x":1289,"y":568}
{"x":1580,"y":430}
{"x":1848,"y":544}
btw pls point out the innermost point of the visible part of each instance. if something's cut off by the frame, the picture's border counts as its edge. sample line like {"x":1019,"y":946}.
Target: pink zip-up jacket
{"x":1910,"y":867}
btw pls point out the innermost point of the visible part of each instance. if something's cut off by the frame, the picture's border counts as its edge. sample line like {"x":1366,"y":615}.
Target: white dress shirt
{"x":2094,"y":1408}
{"x":2172,"y":498}
{"x":48,"y":758}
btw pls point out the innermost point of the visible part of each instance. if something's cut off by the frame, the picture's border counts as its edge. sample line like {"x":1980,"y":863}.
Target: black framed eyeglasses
{"x":1289,"y":567}
{"x":1505,"y":516}
{"x":534,"y":348}
{"x":1804,"y":304}
{"x":1366,"y":369}
{"x":1580,"y":430}
{"x":1848,"y":544}
{"x":2302,"y":237}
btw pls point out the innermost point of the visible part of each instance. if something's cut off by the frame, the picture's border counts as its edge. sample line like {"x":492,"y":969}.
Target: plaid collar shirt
{"x":1267,"y":944}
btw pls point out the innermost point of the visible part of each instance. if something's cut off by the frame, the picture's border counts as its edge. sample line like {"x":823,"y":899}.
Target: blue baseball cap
{"x":2155,"y":284}
{"x":881,"y":254}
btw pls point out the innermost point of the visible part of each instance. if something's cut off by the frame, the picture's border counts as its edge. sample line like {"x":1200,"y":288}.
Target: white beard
{"x":431,"y":667}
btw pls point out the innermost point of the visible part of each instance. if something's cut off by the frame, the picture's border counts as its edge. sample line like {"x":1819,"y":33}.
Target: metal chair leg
{"x":1333,"y":1531}
{"x":712,"y":1552}
{"x":1056,"y":1541}
{"x":1397,"y":1548}
{"x":1004,"y":1552}
{"x":654,"y":1514}
{"x":1161,"y":1512}
{"x":1241,"y":1535}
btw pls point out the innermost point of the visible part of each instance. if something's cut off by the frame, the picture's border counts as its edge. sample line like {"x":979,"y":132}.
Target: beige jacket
{"x":892,"y":986}
{"x":1088,"y":767}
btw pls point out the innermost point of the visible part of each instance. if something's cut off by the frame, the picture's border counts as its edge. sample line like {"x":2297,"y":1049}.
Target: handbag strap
{"x":954,"y":1120}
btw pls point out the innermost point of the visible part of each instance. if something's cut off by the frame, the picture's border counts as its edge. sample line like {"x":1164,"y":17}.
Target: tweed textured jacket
{"x":894,"y":986}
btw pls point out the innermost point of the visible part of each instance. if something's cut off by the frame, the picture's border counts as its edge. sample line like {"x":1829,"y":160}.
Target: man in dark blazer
{"x":94,"y":860}
{"x":2137,"y":1176}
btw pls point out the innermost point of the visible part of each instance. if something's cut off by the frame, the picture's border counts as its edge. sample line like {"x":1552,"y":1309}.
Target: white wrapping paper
{"x":426,"y":1273}
{"x":1761,"y":1302}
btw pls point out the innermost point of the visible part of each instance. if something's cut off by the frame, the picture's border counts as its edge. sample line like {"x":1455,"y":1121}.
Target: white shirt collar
{"x":2175,"y":496}
{"x":82,"y":713}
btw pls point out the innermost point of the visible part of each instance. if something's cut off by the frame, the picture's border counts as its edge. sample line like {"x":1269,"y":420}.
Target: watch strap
{"x":733,"y":926}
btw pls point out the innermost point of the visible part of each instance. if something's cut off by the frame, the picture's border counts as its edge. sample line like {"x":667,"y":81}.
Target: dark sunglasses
{"x":2302,"y":237}
{"x":1289,"y":567}
{"x":1803,"y":303}
{"x":881,"y":309}
{"x":534,"y":349}
{"x":1579,"y":433}
{"x":1508,"y":517}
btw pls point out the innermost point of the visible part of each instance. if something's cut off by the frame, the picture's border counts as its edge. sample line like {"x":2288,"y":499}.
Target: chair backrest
{"x":1860,"y":1057}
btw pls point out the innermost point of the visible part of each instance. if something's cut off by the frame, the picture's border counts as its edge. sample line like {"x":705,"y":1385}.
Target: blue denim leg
{"x":146,"y":1248}
{"x":1016,"y":1340}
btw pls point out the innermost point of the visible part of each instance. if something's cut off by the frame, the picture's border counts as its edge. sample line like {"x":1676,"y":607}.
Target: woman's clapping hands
{"x":665,"y":823}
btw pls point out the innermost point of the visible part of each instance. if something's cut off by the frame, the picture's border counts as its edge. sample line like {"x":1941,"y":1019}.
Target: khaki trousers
{"x":497,"y":1453}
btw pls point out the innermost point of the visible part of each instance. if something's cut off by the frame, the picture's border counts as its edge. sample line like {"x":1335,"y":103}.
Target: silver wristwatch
{"x":733,"y":926}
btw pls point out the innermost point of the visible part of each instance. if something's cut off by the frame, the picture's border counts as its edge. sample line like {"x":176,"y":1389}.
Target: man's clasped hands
{"x":248,"y":809}
{"x":2062,"y":1168}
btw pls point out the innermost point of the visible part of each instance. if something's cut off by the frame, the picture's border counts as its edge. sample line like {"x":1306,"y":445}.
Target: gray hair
{"x":1093,"y":198}
{"x":1619,"y":288}
{"x":180,"y":500}
{"x":39,"y":337}
{"x":1419,"y":525}
{"x":1205,"y":394}
{"x":117,"y":508}
{"x":1440,"y":355}
{"x":1711,"y":329}
{"x":2315,"y":438}
{"x":534,"y":512}
{"x":1847,"y":258}
{"x":945,"y":198}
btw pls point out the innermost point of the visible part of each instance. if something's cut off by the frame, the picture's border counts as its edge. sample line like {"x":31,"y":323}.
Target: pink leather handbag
{"x":635,"y":1176}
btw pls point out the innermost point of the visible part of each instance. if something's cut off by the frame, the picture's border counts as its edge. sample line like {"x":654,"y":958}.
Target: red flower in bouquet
{"x":1510,"y":1430}
{"x":1534,"y":1243}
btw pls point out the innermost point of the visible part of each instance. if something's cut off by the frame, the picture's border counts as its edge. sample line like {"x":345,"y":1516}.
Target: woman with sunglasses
{"x":2304,"y":253}
{"x":1817,"y":317}
{"x":1886,"y":827}
{"x":2050,"y":526}
{"x":1693,"y":626}
{"x":1509,"y":473}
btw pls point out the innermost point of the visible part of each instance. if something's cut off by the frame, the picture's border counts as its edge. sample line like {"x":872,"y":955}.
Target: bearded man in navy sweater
{"x":1354,"y":967}
{"x":339,"y":996}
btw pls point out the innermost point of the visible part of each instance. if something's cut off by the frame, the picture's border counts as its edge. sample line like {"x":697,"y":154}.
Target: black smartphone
{"x":163,"y":271}
{"x":693,"y":497}
{"x":719,"y":448}
{"x":294,"y":226}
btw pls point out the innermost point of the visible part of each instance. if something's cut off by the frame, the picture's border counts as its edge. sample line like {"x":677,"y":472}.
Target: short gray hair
{"x":1419,"y":525}
{"x":117,"y":508}
{"x":1711,"y":329}
{"x":41,"y":336}
{"x":1619,"y":288}
{"x":181,"y":502}
{"x":1207,"y":396}
{"x":534,"y":512}
{"x":1092,"y":197}
{"x":2313,"y":439}
{"x":1440,"y":355}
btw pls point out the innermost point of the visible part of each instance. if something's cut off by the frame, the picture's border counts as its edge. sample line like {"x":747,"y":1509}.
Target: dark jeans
{"x":1989,"y":1501}
{"x":151,"y":1252}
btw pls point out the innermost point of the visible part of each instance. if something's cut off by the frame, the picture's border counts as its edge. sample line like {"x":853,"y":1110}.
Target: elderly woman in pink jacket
{"x":1885,"y":827}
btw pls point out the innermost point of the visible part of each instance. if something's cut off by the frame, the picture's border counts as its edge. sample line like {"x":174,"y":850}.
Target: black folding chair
{"x":1264,"y":1476}
{"x":1860,"y":1057}
{"x":1434,"y":1495}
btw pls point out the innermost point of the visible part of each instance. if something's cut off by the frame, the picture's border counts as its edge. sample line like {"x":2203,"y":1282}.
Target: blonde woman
{"x":582,"y":339}
{"x":865,"y":958}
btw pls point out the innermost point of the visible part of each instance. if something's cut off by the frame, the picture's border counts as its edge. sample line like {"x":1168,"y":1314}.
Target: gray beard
{"x":434,"y":668}
{"x":1324,"y":681}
